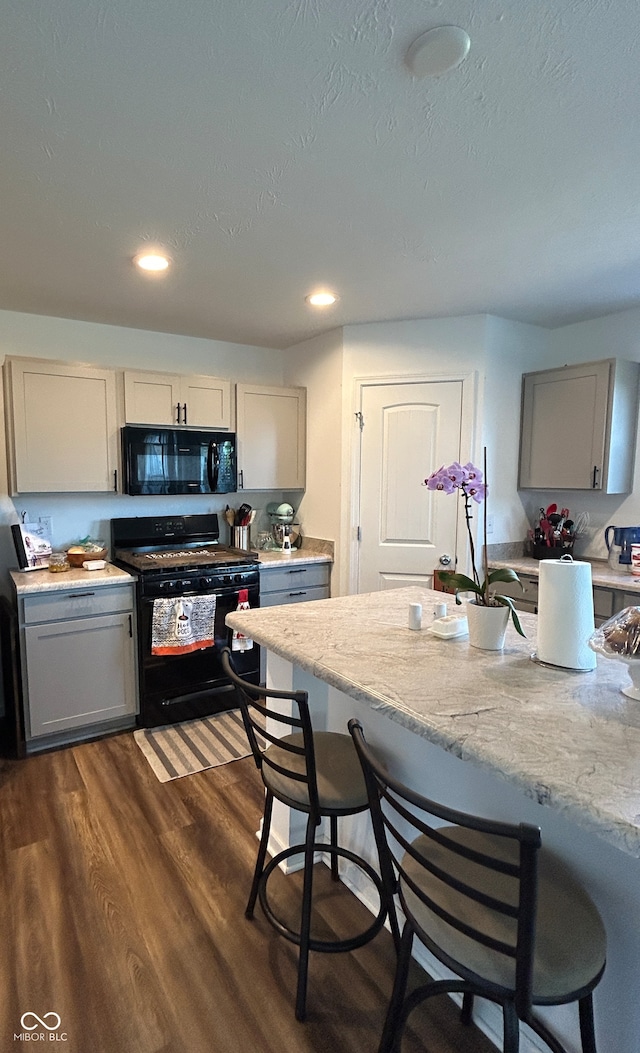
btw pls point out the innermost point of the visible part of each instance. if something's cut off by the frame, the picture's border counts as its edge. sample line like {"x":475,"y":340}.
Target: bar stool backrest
{"x":505,"y":882}
{"x":257,"y":715}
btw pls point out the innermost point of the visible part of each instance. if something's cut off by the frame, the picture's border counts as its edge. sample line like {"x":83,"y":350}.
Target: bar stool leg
{"x":511,"y":1028}
{"x":262,"y":853}
{"x":388,"y":1041}
{"x":334,"y":841}
{"x":305,"y":924}
{"x":466,"y":1013}
{"x":587,"y":1029}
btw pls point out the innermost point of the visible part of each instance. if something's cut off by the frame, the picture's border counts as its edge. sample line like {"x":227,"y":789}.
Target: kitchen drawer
{"x":527,"y":590}
{"x":294,"y":595}
{"x":602,"y":602}
{"x":77,"y":603}
{"x":626,"y":599}
{"x":299,"y":576}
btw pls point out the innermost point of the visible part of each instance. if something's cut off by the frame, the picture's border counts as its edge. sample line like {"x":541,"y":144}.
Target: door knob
{"x":445,"y":560}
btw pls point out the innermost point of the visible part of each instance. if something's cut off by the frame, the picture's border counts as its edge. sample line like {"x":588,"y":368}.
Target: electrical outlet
{"x":489,"y":523}
{"x":46,"y":523}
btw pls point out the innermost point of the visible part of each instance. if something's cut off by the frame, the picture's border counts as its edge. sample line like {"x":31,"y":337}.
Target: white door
{"x":408,"y":431}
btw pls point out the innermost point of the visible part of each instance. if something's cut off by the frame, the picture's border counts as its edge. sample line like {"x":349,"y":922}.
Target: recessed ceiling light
{"x":321,"y":299}
{"x":149,"y":261}
{"x":437,"y":51}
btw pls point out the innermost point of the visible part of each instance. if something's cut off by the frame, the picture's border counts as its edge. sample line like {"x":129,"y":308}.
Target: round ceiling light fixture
{"x":321,"y":299}
{"x":437,"y":51}
{"x":152,"y":262}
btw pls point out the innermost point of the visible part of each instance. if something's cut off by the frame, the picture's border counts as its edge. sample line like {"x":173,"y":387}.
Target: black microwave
{"x":173,"y":461}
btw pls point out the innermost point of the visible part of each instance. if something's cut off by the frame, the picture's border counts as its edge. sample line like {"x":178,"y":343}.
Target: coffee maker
{"x":619,"y":541}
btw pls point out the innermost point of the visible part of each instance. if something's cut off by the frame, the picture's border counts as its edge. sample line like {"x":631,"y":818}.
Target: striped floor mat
{"x":176,"y":750}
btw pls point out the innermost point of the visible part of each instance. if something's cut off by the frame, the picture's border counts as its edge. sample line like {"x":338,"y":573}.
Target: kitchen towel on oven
{"x":240,"y":642}
{"x":183,"y":624}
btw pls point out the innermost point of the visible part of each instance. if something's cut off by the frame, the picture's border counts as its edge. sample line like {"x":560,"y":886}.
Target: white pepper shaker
{"x":415,"y":615}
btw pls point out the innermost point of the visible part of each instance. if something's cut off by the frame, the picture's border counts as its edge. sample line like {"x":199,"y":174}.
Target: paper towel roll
{"x":565,"y":614}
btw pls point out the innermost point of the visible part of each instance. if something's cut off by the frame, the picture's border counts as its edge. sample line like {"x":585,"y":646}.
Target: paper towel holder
{"x":564,"y":668}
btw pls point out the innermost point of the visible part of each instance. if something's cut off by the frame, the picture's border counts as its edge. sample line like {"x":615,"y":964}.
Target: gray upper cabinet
{"x":578,"y":427}
{"x":62,"y":427}
{"x":271,"y":425}
{"x":171,"y":400}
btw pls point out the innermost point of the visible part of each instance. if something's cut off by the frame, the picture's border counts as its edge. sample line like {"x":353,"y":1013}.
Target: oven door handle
{"x":213,"y":464}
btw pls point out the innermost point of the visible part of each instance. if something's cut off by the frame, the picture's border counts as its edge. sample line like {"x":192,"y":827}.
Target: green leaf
{"x":506,"y":601}
{"x":460,"y":582}
{"x":504,"y":574}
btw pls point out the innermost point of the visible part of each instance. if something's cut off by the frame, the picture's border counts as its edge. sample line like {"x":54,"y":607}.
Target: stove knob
{"x":227,"y":579}
{"x":185,"y":583}
{"x":237,"y":578}
{"x":206,"y":583}
{"x":167,"y":586}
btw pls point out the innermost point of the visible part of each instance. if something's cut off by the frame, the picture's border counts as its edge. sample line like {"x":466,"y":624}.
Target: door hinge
{"x":358,"y":534}
{"x":360,"y":419}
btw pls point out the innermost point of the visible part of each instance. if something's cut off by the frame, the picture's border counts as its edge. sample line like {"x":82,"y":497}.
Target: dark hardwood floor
{"x":122,"y":910}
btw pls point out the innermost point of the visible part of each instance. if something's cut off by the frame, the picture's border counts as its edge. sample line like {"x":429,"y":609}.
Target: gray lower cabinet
{"x":294,"y":584}
{"x":78,"y":659}
{"x":605,"y":601}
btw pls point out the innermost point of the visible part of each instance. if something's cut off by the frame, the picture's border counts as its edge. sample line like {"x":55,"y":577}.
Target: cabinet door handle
{"x":78,"y":595}
{"x":301,"y":593}
{"x":115,"y":480}
{"x":184,"y":413}
{"x":178,"y":413}
{"x":241,"y":479}
{"x":130,"y":626}
{"x":596,"y":470}
{"x":297,"y":570}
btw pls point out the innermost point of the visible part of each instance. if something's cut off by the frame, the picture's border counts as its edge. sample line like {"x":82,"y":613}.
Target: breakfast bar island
{"x":495,"y":733}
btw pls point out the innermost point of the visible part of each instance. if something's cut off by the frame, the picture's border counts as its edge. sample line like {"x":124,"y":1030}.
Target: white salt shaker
{"x":415,"y":615}
{"x":440,"y":610}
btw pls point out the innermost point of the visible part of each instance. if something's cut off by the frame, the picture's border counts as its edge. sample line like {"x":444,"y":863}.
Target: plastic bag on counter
{"x":619,"y":637}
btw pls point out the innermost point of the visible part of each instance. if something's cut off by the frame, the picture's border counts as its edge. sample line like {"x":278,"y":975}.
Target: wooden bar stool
{"x":317,"y":773}
{"x":502,"y":913}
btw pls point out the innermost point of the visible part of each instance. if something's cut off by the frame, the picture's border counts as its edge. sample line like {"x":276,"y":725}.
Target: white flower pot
{"x":487,"y":626}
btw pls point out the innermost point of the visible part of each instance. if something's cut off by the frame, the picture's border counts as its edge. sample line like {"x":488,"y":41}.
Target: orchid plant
{"x":469,"y":482}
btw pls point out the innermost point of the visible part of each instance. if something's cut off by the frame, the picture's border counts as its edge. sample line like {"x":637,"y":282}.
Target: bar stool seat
{"x":314,"y":772}
{"x":341,"y":783}
{"x":570,"y":943}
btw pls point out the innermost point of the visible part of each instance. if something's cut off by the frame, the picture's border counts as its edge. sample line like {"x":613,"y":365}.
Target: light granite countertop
{"x":313,"y":550}
{"x":601,"y":572}
{"x":298,"y":555}
{"x":76,"y":578}
{"x":570,"y":741}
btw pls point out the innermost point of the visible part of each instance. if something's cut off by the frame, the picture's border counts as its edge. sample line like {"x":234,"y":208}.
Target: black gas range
{"x":185,"y":578}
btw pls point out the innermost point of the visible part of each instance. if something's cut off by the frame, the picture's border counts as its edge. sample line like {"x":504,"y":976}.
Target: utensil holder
{"x":551,"y":551}
{"x":240,"y":537}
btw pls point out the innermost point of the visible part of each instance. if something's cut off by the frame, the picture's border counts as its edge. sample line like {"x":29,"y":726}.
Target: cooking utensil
{"x":243,"y":512}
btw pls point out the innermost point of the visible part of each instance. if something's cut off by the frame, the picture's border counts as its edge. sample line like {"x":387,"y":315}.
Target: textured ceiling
{"x":276,"y":145}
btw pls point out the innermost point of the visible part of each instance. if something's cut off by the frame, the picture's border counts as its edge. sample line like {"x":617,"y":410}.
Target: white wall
{"x":512,"y":349}
{"x":496,"y":350}
{"x":76,"y":515}
{"x":317,"y":365}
